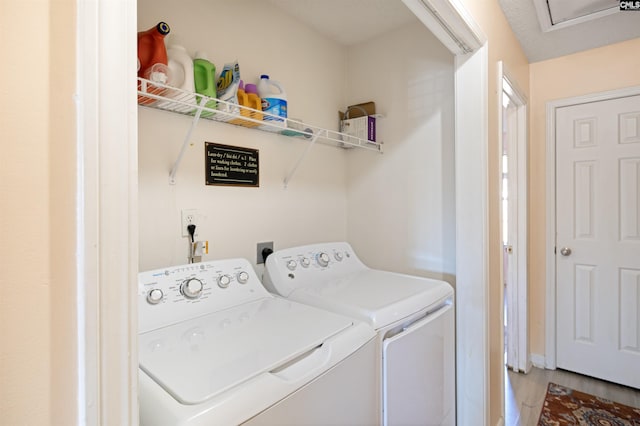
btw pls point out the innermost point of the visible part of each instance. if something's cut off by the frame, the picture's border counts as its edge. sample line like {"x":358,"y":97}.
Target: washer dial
{"x":291,"y":265}
{"x":154,"y":296}
{"x":322,"y":259}
{"x":338,"y":256}
{"x":224,"y":281}
{"x":242,"y":277}
{"x":305,"y":262}
{"x":191,"y":288}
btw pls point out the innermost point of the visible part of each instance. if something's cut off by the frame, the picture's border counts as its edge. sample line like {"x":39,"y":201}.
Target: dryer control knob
{"x":223,"y":281}
{"x":243,"y":277}
{"x":191,"y":288}
{"x":291,"y":265}
{"x":338,"y":256}
{"x":154,"y":296}
{"x":322,"y":259}
{"x":305,"y":262}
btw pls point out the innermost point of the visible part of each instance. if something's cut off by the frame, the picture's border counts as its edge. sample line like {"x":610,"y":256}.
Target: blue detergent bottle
{"x":274,"y":100}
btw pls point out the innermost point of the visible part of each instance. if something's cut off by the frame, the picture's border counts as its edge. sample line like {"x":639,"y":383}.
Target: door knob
{"x":565,"y":251}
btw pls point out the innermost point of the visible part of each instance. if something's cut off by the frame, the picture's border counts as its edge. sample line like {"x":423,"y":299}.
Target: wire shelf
{"x":160,"y":96}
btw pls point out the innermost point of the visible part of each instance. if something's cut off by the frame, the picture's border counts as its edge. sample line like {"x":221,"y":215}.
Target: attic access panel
{"x":566,"y":10}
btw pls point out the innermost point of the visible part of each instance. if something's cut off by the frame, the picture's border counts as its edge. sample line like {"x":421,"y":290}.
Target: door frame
{"x":472,"y":238}
{"x":108,"y":214}
{"x":550,"y":245}
{"x":518,"y":299}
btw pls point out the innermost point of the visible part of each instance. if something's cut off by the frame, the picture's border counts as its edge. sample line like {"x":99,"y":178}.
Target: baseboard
{"x":528,"y":367}
{"x":538,"y":360}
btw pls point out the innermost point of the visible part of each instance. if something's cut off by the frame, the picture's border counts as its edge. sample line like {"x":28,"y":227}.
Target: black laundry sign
{"x":231,"y":165}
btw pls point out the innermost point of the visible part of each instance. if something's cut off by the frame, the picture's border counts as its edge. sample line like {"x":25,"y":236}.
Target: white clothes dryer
{"x":215,"y":348}
{"x":413,"y":317}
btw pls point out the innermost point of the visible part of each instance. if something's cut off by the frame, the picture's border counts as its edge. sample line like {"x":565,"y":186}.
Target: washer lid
{"x":377,"y":297}
{"x":200,"y":358}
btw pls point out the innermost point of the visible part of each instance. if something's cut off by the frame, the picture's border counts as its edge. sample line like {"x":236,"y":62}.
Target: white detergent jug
{"x":274,"y":100}
{"x":181,"y":76}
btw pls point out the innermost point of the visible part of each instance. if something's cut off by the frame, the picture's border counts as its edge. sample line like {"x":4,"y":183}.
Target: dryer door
{"x":418,"y":367}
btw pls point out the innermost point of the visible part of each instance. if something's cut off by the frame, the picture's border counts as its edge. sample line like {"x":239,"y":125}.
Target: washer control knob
{"x":305,"y":262}
{"x":224,"y":281}
{"x":338,"y":256}
{"x":191,"y":288}
{"x":154,"y":296}
{"x":322,"y":259}
{"x":243,"y":277}
{"x":291,"y":265}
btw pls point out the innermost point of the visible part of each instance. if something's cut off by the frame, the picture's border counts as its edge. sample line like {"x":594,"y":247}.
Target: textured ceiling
{"x":539,"y":45}
{"x":350,"y":22}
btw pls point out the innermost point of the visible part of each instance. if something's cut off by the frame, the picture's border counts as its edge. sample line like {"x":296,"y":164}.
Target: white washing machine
{"x":413,"y":317}
{"x":215,"y":348}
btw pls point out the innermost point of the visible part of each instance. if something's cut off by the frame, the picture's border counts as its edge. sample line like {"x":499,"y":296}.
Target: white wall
{"x":401,"y":206}
{"x":397,"y":209}
{"x":311,"y":69}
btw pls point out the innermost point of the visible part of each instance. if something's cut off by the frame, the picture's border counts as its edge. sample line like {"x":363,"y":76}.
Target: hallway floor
{"x":524,"y":393}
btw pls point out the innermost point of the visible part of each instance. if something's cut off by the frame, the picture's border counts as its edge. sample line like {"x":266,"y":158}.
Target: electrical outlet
{"x":189,"y":217}
{"x":262,"y":246}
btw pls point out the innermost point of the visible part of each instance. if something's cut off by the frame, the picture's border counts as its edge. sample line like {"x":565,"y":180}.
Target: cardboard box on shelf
{"x":359,"y":121}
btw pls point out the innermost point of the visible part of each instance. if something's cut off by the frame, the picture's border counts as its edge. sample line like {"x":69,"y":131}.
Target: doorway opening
{"x":112,"y":324}
{"x":513,"y":217}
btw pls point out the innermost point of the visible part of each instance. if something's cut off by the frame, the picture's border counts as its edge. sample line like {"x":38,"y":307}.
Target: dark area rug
{"x":565,"y":406}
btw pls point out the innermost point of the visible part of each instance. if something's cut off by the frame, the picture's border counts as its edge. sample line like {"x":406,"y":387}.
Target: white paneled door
{"x":598,"y":239}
